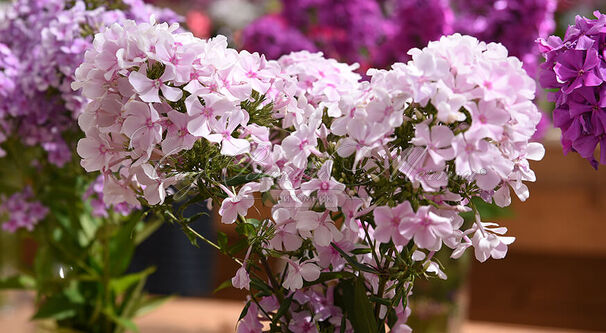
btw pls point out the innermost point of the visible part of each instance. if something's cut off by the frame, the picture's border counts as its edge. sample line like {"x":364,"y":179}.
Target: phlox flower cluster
{"x":21,"y":211}
{"x":49,"y":37}
{"x":367,"y":179}
{"x":575,"y":68}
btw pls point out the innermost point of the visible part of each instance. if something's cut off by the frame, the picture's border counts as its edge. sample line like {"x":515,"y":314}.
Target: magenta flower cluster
{"x":575,"y":68}
{"x":514,"y":23}
{"x":21,"y":211}
{"x":48,"y":38}
{"x":375,"y":33}
{"x":460,"y":112}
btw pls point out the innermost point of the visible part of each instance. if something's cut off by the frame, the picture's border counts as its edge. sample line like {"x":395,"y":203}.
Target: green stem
{"x":106,"y":280}
{"x":274,"y":284}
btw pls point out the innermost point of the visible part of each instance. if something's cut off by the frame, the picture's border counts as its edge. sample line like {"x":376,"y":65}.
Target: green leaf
{"x":123,"y":322}
{"x":238,"y":247}
{"x":121,"y":284}
{"x":351,"y":297}
{"x":148,"y":229}
{"x":126,"y":323}
{"x":18,"y":282}
{"x":73,"y":293}
{"x":327,"y":276}
{"x":360,"y":251}
{"x":256,"y":223}
{"x":353,"y":262}
{"x":260,"y":285}
{"x":282,"y":310}
{"x":244,"y":311}
{"x":364,"y":315}
{"x":225,"y":284}
{"x":57,"y":308}
{"x":122,"y":245}
{"x":243,"y":179}
{"x":246,"y":229}
{"x":222,"y":240}
{"x":151,"y":303}
{"x":384,"y":301}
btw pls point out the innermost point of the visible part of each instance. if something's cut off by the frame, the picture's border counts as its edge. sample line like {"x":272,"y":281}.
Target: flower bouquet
{"x":366,"y":179}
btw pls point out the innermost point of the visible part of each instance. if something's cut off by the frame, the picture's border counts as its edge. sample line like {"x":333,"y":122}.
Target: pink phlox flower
{"x":154,"y":184}
{"x":329,"y":192}
{"x":286,"y":236}
{"x":384,"y":109}
{"x":270,"y":303}
{"x":488,"y":120}
{"x":418,"y":166}
{"x":350,"y":209}
{"x":352,"y":110}
{"x":203,"y":116}
{"x":328,"y":255}
{"x":427,"y":228}
{"x":239,"y":204}
{"x":98,"y":150}
{"x":319,"y":225}
{"x":142,"y":126}
{"x":302,"y":322}
{"x":118,"y":191}
{"x":297,"y":272}
{"x":178,"y":57}
{"x":223,"y":130}
{"x":177,"y":136}
{"x":437,"y":141}
{"x":299,"y":145}
{"x":149,"y":89}
{"x":488,"y":241}
{"x":250,"y":323}
{"x":242,"y":280}
{"x":362,"y":138}
{"x":255,"y":71}
{"x":471,"y":155}
{"x":389,"y":220}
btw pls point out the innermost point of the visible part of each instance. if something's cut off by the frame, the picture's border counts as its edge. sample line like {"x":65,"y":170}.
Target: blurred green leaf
{"x":225,"y":284}
{"x":151,"y":303}
{"x":18,"y":282}
{"x":122,"y":245}
{"x":121,"y":284}
{"x":56,"y":307}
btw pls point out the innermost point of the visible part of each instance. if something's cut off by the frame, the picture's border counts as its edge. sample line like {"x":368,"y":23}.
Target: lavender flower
{"x":342,"y":29}
{"x":413,"y":23}
{"x":22,"y":212}
{"x":514,"y":23}
{"x":100,"y":207}
{"x":49,"y":37}
{"x":576,"y":68}
{"x":272,"y":36}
